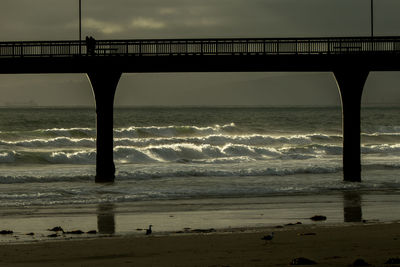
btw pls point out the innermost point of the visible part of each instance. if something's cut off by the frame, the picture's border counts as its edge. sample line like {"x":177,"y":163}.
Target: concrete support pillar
{"x":351,"y":83}
{"x":104,"y":84}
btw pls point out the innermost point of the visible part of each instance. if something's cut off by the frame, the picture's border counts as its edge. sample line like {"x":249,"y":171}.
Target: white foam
{"x":7,"y":157}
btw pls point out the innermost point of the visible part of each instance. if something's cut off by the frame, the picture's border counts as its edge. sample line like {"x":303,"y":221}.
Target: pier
{"x":350,"y":59}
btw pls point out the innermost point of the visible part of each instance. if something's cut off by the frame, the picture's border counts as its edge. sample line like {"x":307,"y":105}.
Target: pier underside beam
{"x":104,"y":85}
{"x":351,"y":83}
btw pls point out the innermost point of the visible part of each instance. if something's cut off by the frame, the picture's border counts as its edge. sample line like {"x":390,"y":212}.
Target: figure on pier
{"x":90,"y":45}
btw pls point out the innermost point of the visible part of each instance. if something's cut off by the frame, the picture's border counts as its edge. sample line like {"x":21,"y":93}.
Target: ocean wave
{"x":181,"y":172}
{"x":329,"y":143}
{"x":52,"y":142}
{"x":191,"y":171}
{"x":172,"y":131}
{"x":7,"y":157}
{"x":197,"y":151}
{"x":68,"y":132}
{"x":43,"y":179}
{"x":381,"y":149}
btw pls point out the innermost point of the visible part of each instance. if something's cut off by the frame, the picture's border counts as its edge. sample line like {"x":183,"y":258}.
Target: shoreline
{"x":221,"y":214}
{"x":327,"y":245}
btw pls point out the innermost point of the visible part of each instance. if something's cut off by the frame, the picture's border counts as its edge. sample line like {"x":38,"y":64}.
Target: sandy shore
{"x":327,"y":245}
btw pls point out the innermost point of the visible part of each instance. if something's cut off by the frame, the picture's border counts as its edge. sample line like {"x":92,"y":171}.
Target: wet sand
{"x":338,"y":245}
{"x":170,"y":216}
{"x":359,"y":225}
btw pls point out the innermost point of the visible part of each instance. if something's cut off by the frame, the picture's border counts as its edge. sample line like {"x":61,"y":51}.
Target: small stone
{"x":318,"y":218}
{"x":30,"y":234}
{"x":360,"y":262}
{"x":6,"y":232}
{"x":92,"y":232}
{"x":302,"y":261}
{"x":53,"y":235}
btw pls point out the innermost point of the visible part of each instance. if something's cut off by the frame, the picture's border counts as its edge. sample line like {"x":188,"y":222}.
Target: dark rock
{"x":279,"y":226}
{"x":307,"y":234}
{"x":203,"y":230}
{"x":290,"y":224}
{"x":53,"y":235}
{"x":75,"y":232}
{"x":360,"y":262}
{"x":318,"y":218}
{"x":267,"y":237}
{"x":92,"y":232}
{"x":302,"y":261}
{"x":57,"y":229}
{"x":30,"y":234}
{"x":6,"y":232}
{"x":393,"y":261}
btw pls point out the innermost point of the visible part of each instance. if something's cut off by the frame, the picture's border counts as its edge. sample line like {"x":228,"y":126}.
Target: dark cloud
{"x":58,"y":19}
{"x":130,"y":19}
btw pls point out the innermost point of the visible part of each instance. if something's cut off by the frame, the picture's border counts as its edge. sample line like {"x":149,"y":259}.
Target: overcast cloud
{"x":129,"y":19}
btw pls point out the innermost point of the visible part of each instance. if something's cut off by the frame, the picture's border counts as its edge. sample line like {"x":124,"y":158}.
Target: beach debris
{"x":360,"y":262}
{"x":57,"y":229}
{"x":302,"y":261}
{"x":31,"y":233}
{"x":290,"y":224}
{"x":302,"y":234}
{"x":203,"y":231}
{"x":6,"y":232}
{"x":268,"y":237}
{"x":149,"y":231}
{"x":92,"y":232}
{"x":318,"y":218}
{"x":393,"y":261}
{"x":187,"y":230}
{"x":75,"y":232}
{"x":53,"y":235}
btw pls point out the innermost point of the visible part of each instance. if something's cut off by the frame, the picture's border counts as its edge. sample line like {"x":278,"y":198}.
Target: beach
{"x":326,"y":245}
{"x":207,"y":232}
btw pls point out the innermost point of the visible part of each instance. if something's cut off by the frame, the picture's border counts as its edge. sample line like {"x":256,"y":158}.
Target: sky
{"x":132,"y":19}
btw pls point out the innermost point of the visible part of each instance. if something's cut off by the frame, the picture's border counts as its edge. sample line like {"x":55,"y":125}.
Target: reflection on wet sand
{"x":352,"y":208}
{"x":106,"y":218}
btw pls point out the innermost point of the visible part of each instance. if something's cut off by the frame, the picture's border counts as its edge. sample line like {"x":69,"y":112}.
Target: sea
{"x":48,"y":156}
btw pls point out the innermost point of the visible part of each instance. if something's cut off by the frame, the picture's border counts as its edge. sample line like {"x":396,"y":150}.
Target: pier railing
{"x":198,"y":47}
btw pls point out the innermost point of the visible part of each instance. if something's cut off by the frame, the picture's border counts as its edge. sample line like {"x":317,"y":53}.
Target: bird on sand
{"x":268,"y":237}
{"x":148,"y":231}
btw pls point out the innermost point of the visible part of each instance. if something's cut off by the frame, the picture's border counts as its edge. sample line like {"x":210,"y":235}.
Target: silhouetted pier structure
{"x":350,"y":59}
